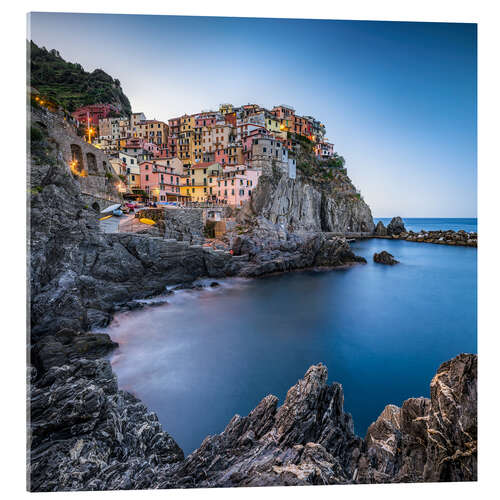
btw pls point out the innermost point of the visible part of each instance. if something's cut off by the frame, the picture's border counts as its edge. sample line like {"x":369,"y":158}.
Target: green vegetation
{"x":69,"y":85}
{"x":109,"y":175}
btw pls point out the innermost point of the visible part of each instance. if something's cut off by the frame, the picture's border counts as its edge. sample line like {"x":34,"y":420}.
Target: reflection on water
{"x":382,"y":331}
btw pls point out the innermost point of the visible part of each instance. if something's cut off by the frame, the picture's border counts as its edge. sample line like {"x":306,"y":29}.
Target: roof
{"x":205,"y":164}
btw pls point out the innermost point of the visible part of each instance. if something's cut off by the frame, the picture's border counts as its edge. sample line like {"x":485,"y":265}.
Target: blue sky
{"x":398,"y":99}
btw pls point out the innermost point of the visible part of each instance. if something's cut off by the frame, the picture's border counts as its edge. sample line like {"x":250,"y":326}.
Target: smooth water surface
{"x":417,"y":224}
{"x":382,"y":331}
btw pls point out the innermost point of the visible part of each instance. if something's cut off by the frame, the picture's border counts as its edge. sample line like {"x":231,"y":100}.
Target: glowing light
{"x":73,"y":165}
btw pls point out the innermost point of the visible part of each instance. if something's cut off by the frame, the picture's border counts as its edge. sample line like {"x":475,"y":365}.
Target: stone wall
{"x":92,"y":169}
{"x":181,"y":224}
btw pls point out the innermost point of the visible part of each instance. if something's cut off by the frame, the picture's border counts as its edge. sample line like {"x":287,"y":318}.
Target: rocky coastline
{"x":396,"y":231}
{"x":87,"y":434}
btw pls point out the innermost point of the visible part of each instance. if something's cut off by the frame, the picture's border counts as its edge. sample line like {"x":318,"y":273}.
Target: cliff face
{"x":309,"y":204}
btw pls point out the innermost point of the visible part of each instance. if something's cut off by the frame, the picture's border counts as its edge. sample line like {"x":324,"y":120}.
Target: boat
{"x":118,"y":212}
{"x":105,"y":217}
{"x":111,"y":208}
{"x":147,"y":221}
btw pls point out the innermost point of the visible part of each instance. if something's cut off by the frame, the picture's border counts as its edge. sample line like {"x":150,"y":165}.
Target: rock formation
{"x":428,"y":439}
{"x":380,"y":229}
{"x":305,"y":204}
{"x":396,"y":226}
{"x":385,"y":258}
{"x":87,"y":434}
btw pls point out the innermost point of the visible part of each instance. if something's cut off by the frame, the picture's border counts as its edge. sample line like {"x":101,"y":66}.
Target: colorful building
{"x":196,"y":183}
{"x":235,"y":185}
{"x":92,"y":113}
{"x":159,"y":182}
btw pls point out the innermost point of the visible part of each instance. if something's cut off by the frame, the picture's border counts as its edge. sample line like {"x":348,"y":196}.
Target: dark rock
{"x":380,"y":229}
{"x":384,"y":258}
{"x":396,"y":226}
{"x":427,"y":439}
{"x":214,"y":284}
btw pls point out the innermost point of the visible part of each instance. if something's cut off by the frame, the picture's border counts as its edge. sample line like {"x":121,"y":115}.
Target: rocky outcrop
{"x":270,"y":249}
{"x":303,"y":204}
{"x":380,"y":229}
{"x":428,"y":439}
{"x":308,"y":440}
{"x":396,"y":226}
{"x":85,"y":433}
{"x":385,"y":258}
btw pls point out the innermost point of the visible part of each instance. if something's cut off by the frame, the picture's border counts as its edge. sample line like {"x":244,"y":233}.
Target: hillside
{"x":69,"y":85}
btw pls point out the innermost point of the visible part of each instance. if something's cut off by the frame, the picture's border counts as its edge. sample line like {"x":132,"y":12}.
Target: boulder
{"x":380,"y":229}
{"x":384,"y":258}
{"x":396,"y":226}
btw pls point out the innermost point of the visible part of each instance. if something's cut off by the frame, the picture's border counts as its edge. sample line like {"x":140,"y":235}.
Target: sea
{"x":201,"y":356}
{"x":417,"y":224}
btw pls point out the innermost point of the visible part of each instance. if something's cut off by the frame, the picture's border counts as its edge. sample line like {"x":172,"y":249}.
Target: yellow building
{"x":199,"y":181}
{"x":184,"y":147}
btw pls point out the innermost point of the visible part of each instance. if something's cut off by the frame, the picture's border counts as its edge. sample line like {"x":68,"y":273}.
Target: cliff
{"x":321,"y":200}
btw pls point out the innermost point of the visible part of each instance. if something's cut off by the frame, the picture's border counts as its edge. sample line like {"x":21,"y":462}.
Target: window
{"x":133,"y":177}
{"x":131,"y":161}
{"x":264,"y":149}
{"x":232,"y":191}
{"x":147,"y":167}
{"x":147,"y":177}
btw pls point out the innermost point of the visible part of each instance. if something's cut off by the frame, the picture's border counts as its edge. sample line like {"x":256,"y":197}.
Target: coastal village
{"x":211,"y":157}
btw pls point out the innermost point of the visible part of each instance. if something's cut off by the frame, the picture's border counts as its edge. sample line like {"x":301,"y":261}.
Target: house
{"x":132,"y":170}
{"x":196,"y":183}
{"x":92,"y":113}
{"x":159,"y":182}
{"x":235,"y":185}
{"x":324,"y":150}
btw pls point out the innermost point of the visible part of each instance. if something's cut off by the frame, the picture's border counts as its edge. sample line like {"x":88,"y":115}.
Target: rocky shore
{"x":396,"y":231}
{"x":87,"y":434}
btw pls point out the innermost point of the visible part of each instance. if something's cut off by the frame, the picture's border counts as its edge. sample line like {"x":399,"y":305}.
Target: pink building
{"x":160,"y":182}
{"x":236,"y":184}
{"x":205,"y":120}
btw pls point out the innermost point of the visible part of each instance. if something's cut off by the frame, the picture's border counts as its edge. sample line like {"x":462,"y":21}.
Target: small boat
{"x":118,"y":212}
{"x":105,"y":217}
{"x":147,"y":221}
{"x":111,"y":208}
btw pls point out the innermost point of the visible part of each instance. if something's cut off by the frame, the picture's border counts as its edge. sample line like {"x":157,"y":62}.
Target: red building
{"x":93,"y":113}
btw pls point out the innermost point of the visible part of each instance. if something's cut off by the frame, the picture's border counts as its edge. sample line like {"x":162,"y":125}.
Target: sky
{"x":399,"y":100}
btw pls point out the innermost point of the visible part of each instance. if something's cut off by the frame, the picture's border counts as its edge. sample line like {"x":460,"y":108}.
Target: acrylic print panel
{"x":171,"y":345}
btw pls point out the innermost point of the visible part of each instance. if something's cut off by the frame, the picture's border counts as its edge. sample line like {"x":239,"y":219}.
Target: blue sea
{"x":417,"y":224}
{"x":381,"y":330}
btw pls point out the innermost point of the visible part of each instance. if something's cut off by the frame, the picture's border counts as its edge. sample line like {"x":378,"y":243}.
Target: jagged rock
{"x":308,"y":440}
{"x":380,"y":229}
{"x":384,"y":258}
{"x":396,"y":226}
{"x":427,"y":439}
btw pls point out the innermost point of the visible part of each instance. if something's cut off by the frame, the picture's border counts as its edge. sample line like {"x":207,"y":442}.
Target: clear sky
{"x":399,"y":100}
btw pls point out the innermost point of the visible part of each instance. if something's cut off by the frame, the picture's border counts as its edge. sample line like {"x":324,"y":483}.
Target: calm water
{"x":416,"y":224}
{"x":382,"y":331}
